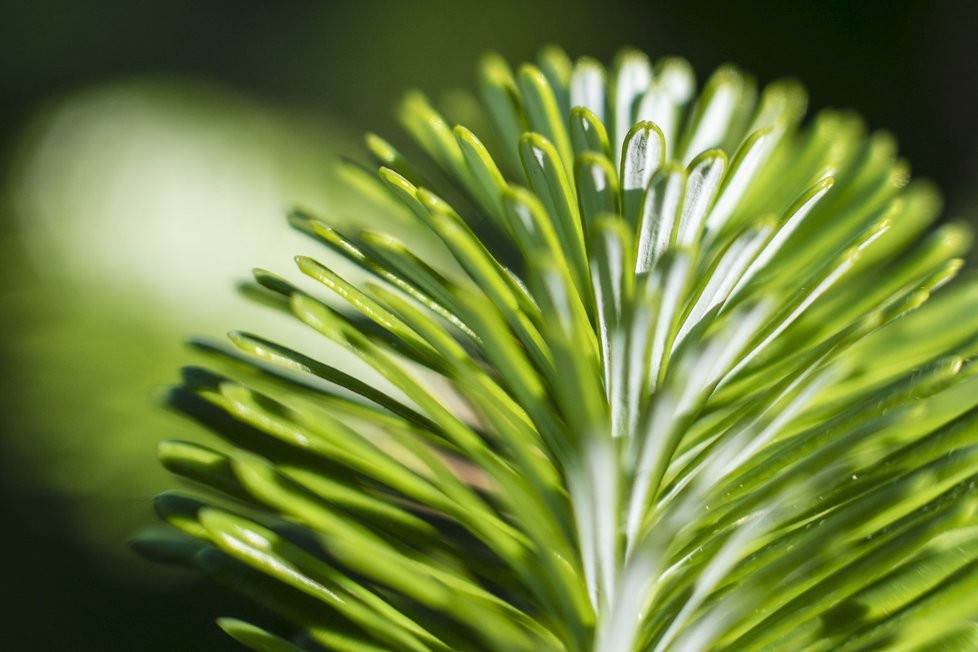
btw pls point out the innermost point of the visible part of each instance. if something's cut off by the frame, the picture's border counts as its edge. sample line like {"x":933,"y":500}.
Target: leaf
{"x":646,"y":371}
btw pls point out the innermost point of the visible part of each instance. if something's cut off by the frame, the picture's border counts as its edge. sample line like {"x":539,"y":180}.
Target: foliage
{"x":671,"y":385}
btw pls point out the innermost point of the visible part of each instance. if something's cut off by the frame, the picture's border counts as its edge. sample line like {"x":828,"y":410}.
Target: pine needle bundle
{"x":674,"y":383}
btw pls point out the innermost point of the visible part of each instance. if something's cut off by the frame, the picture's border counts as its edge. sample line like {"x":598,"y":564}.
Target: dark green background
{"x":910,"y":67}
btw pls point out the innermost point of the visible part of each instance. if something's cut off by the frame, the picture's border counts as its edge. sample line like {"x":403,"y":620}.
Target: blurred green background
{"x":147,"y":153}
